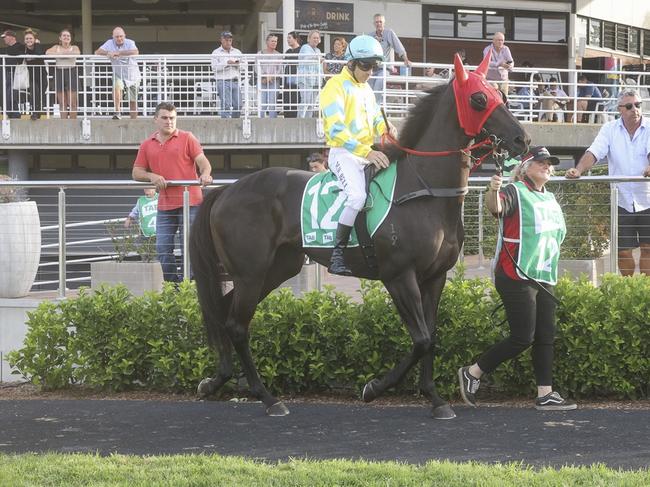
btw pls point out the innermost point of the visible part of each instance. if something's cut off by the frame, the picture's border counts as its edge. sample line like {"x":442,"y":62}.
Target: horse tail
{"x":206,"y":267}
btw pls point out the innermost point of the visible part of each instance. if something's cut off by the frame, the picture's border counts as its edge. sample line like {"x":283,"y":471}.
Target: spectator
{"x":145,"y":212}
{"x":626,"y":144}
{"x":317,"y":162}
{"x":66,"y":75}
{"x":309,"y":75}
{"x":14,"y":48}
{"x":167,"y":154}
{"x":432,"y":79}
{"x":390,"y":45}
{"x":463,"y":56}
{"x":337,"y":54}
{"x":126,"y":74}
{"x":530,"y":236}
{"x":225,"y":64}
{"x":586,"y":89}
{"x":290,"y":95}
{"x":37,"y":74}
{"x":553,"y":102}
{"x":501,"y":62}
{"x":529,"y":93}
{"x":269,"y":76}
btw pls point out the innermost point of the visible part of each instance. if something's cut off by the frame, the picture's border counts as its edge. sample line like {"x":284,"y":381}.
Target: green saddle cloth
{"x":323,"y":200}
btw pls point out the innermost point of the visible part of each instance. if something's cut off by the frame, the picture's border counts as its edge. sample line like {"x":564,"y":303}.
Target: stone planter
{"x":20,"y":247}
{"x":138,"y":277}
{"x":309,"y":279}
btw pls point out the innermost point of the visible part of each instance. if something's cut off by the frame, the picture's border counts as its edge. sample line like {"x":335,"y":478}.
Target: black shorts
{"x":633,"y":228}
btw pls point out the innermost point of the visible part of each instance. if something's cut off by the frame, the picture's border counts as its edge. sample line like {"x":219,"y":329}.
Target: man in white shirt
{"x":225,"y":64}
{"x":501,"y":62}
{"x":126,"y":74}
{"x":626,"y":144}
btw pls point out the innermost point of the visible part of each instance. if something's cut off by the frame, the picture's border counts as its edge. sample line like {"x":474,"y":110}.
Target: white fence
{"x":284,"y":86}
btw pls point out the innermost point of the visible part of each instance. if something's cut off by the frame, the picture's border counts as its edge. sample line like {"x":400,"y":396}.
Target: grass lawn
{"x":211,"y":470}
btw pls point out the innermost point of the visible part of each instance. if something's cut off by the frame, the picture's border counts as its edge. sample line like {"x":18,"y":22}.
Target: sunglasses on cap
{"x":367,"y":66}
{"x":628,"y":106}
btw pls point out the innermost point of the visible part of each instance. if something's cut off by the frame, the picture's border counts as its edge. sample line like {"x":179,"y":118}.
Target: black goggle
{"x":367,"y":65}
{"x":628,"y":106}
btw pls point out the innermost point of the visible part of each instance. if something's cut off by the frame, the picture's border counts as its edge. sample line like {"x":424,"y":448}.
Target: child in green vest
{"x":144,"y":212}
{"x":528,"y":250}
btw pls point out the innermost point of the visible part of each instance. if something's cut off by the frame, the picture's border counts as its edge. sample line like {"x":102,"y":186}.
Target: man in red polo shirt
{"x":171,"y":154}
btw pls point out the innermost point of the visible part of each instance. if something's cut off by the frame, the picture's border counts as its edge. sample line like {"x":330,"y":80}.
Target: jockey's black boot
{"x":337,"y":263}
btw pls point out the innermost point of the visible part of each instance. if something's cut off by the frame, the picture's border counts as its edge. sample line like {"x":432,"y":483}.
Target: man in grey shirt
{"x":501,"y":62}
{"x":391,"y":45}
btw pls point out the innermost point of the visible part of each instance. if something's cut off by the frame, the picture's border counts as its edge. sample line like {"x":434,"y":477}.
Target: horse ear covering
{"x":483,"y":67}
{"x":459,"y":69}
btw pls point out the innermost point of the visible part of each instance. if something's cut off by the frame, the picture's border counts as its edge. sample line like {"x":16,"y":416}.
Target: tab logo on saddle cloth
{"x":323,"y":201}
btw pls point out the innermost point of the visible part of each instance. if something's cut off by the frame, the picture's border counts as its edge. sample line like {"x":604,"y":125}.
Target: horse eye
{"x":478,"y":101}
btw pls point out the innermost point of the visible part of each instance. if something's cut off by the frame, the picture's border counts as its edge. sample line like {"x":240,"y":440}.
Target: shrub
{"x":324,"y":341}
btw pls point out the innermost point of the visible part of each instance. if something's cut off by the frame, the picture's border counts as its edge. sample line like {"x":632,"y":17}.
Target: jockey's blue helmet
{"x":364,"y":48}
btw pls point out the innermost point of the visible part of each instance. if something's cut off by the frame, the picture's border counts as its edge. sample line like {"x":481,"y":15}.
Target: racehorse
{"x":252,"y":229}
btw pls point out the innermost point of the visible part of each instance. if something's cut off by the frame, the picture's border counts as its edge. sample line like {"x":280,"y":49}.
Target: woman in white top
{"x":66,"y":74}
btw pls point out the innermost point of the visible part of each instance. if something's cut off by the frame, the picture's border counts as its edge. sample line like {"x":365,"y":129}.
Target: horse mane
{"x":417,"y":122}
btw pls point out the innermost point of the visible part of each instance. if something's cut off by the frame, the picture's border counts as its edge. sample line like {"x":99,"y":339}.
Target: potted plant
{"x":135,"y":265}
{"x":20,"y":242}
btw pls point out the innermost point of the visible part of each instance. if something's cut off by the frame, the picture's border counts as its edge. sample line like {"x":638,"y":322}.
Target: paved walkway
{"x":617,"y":438}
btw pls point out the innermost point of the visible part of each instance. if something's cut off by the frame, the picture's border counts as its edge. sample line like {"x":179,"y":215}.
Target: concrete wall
{"x":224,"y":133}
{"x":631,"y":12}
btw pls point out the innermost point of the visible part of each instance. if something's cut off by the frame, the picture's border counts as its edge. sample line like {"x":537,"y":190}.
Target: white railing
{"x":284,"y":86}
{"x":70,"y":229}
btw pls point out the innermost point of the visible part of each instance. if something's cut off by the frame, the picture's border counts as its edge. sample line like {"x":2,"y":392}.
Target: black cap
{"x":10,"y":33}
{"x":226,"y":33}
{"x":540,"y":153}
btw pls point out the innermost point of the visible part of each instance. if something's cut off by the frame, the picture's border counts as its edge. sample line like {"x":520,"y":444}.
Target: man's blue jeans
{"x":228,"y":90}
{"x":168,"y":222}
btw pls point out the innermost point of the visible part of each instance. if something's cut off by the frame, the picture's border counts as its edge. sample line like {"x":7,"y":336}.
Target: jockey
{"x":352,"y":120}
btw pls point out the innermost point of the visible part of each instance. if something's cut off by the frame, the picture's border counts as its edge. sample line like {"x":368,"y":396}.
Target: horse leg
{"x":406,"y":295}
{"x":431,"y":292}
{"x":247,"y":294}
{"x":211,"y":385}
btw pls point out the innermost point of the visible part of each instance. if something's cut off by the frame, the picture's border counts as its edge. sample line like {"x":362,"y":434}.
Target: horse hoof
{"x":206,"y":387}
{"x":443,"y":412}
{"x":277,"y":409}
{"x":370,"y":391}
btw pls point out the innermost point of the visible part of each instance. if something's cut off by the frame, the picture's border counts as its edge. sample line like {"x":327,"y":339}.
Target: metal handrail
{"x":477,"y":184}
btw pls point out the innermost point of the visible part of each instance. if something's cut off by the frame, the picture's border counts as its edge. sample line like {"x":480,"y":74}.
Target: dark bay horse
{"x":252,"y":229}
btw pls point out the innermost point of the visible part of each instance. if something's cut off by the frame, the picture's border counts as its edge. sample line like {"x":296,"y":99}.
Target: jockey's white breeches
{"x":348,"y":168}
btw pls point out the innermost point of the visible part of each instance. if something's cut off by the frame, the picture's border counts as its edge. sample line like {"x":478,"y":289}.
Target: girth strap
{"x":435,"y":192}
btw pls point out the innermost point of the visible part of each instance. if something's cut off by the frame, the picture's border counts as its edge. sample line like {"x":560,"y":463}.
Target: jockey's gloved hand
{"x":378,"y":158}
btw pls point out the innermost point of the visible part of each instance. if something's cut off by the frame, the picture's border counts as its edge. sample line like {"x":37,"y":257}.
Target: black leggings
{"x":531,"y":316}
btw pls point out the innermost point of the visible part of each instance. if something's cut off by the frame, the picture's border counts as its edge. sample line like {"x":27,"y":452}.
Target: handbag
{"x":21,"y":78}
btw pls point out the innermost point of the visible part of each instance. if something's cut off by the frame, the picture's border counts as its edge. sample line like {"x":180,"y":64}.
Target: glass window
{"x":94,"y":161}
{"x":595,"y":33}
{"x":609,"y":35}
{"x":553,"y":29}
{"x":646,"y":42}
{"x":246,"y":161}
{"x":441,"y":24}
{"x":621,"y":37}
{"x":285,"y":160}
{"x":55,"y":161}
{"x":470,"y":26}
{"x":494,"y":23}
{"x":634,"y":38}
{"x":526,"y":28}
{"x":581,"y":27}
{"x":124,"y":161}
{"x":217,"y":160}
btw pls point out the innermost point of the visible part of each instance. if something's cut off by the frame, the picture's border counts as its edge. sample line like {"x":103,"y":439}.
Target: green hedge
{"x":325,"y":342}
